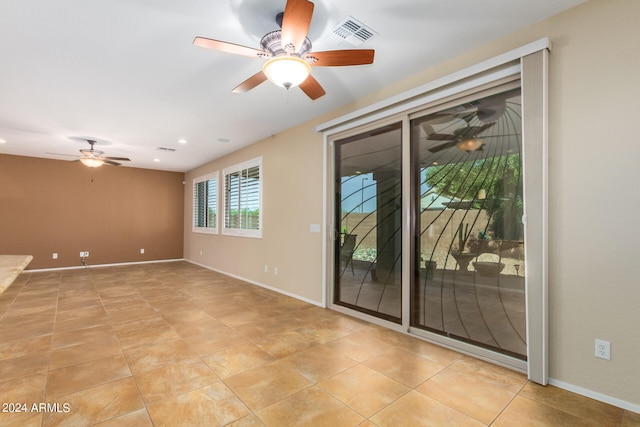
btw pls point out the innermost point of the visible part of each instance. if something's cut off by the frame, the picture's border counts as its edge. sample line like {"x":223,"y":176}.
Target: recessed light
{"x":224,"y":140}
{"x":156,"y":160}
{"x":2,"y":141}
{"x":182,"y":141}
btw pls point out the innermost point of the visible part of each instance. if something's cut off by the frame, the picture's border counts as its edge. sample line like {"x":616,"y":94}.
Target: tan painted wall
{"x":49,"y":206}
{"x":292,"y":200}
{"x":594,"y":152}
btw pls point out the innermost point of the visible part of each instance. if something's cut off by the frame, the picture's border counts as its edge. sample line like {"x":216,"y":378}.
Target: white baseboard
{"x":262,"y":285}
{"x":596,"y":396}
{"x":78,"y":267}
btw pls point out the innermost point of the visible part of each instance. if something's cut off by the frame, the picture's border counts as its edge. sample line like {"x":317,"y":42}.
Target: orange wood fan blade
{"x":337,"y":58}
{"x":295,"y":22}
{"x":312,"y":88}
{"x":250,"y":83}
{"x":227,"y":47}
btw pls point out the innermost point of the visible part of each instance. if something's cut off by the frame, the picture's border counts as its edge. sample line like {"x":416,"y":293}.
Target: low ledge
{"x":10,"y":268}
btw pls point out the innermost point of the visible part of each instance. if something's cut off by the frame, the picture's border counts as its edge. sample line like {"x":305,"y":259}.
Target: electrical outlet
{"x":266,"y":268}
{"x":603,"y":349}
{"x":86,"y":254}
{"x":275,"y":270}
{"x":55,"y":255}
{"x":142,"y":250}
{"x":81,"y":254}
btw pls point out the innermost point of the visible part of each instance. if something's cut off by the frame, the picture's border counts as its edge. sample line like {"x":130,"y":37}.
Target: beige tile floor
{"x":172,"y":344}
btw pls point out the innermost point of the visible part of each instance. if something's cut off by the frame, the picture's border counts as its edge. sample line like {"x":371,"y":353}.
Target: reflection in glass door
{"x":368,"y":252}
{"x":469,"y":260}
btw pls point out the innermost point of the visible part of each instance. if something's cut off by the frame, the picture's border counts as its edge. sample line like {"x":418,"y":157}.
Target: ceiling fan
{"x":95,"y":158}
{"x":288,"y":53}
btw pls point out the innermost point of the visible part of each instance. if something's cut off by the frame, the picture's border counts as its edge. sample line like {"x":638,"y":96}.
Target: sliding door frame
{"x":329,"y":261}
{"x":530,"y":64}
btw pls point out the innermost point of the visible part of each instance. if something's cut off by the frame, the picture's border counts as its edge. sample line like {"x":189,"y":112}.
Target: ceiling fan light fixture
{"x":468,"y":145}
{"x":92,"y":162}
{"x":286,"y":71}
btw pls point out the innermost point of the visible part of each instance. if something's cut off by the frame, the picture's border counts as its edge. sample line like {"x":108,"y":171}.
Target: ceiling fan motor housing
{"x":271,"y":43}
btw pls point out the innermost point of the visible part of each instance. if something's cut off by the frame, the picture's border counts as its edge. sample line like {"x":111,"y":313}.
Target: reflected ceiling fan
{"x":484,"y":113}
{"x":95,"y":158}
{"x":465,"y":138}
{"x":288,"y":53}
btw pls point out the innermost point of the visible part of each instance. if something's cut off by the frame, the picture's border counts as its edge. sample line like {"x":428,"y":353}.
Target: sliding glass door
{"x":368,"y":212}
{"x":469,"y":260}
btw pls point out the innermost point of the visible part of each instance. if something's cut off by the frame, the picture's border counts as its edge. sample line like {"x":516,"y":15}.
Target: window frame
{"x":206,"y":179}
{"x":226,"y":173}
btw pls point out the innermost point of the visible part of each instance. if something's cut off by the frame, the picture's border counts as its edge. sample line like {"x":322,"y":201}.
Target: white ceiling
{"x":125,"y":72}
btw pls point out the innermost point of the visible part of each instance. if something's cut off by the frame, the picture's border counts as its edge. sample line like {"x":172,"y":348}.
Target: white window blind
{"x":243,"y":199}
{"x":205,"y":203}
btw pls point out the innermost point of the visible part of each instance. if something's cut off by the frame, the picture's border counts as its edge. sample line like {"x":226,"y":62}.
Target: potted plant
{"x":462,"y":258}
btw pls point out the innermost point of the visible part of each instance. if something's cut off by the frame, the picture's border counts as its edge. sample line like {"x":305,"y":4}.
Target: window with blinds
{"x":243,"y":199}
{"x":205,"y":204}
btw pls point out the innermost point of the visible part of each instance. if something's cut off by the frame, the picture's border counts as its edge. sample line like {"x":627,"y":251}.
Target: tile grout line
{"x":53,"y":329}
{"x":133,"y":378}
{"x":508,"y":404}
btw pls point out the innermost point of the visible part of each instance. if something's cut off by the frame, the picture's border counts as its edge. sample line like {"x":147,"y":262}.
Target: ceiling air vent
{"x":166,"y":149}
{"x":351,"y":32}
